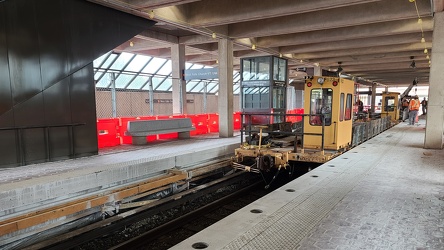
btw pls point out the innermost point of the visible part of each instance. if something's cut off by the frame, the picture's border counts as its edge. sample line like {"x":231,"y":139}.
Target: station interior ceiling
{"x":371,"y":41}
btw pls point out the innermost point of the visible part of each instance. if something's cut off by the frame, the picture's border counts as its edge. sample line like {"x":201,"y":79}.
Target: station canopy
{"x":133,"y":72}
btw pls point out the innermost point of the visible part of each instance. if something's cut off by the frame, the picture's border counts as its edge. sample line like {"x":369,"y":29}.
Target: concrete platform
{"x":387,"y":193}
{"x":23,"y":189}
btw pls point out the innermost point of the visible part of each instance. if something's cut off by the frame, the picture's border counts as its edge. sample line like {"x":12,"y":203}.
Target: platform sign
{"x":201,"y":74}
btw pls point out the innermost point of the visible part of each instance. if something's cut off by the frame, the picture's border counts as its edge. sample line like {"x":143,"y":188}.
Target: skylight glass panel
{"x":154,"y":65}
{"x":123,"y":80}
{"x":123,"y":59}
{"x":138,"y":82}
{"x":104,"y":82}
{"x":193,"y":86}
{"x":166,"y":85}
{"x":99,"y":60}
{"x":156,"y":81}
{"x":197,"y":66}
{"x":137,"y":63}
{"x":98,"y":74}
{"x":109,"y":61}
{"x":211,"y":87}
{"x":188,"y":65}
{"x":166,"y":69}
{"x":236,"y":89}
{"x":236,"y":77}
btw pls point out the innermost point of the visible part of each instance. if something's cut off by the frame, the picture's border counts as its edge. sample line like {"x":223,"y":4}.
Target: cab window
{"x":348,"y":107}
{"x":321,"y":104}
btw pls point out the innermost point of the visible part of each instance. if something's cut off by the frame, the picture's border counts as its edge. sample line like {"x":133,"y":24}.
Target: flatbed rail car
{"x":326,"y":131}
{"x":275,"y":146}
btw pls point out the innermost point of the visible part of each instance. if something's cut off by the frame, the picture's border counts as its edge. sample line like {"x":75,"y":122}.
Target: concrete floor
{"x":387,"y":193}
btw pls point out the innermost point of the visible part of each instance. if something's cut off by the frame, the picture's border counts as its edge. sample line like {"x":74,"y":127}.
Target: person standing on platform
{"x":360,"y":106}
{"x":424,"y":106}
{"x":405,"y":109}
{"x":414,"y":108}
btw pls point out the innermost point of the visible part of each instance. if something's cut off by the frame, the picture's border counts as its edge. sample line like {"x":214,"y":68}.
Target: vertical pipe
{"x":322,"y":136}
{"x":113,"y":94}
{"x":151,"y":98}
{"x":21,"y":147}
{"x":205,"y":97}
{"x":71,"y":141}
{"x":48,"y":148}
{"x":302,"y":134}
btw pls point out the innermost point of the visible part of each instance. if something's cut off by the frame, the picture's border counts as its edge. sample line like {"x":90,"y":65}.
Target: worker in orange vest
{"x":413,"y":110}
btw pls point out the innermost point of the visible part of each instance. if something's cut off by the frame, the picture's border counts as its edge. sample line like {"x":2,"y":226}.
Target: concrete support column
{"x":435,"y":107}
{"x":179,"y":85}
{"x":373,"y":98}
{"x":225,"y":98}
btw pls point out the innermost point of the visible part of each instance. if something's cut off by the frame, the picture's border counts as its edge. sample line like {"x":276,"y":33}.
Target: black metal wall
{"x":47,"y":102}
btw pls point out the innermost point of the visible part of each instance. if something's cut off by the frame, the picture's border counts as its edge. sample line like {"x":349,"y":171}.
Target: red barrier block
{"x":200,"y":122}
{"x":108,"y":132}
{"x":237,"y":120}
{"x":301,"y":112}
{"x":213,"y":123}
{"x":123,"y":127}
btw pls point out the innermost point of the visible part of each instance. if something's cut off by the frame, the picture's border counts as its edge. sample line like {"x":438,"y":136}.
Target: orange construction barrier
{"x":108,"y":132}
{"x":213,"y":123}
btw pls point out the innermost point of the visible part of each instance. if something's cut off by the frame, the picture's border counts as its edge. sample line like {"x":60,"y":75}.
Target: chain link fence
{"x":133,"y":103}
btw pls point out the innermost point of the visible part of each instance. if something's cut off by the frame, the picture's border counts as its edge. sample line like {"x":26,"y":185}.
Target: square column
{"x":225,"y":98}
{"x":435,"y":107}
{"x":179,"y":85}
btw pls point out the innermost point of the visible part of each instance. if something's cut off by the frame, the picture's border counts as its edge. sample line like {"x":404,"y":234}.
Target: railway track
{"x":162,"y":223}
{"x":113,"y":230}
{"x":183,"y":227}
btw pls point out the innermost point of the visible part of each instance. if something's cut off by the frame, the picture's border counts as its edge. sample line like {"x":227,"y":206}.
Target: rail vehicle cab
{"x":390,"y":105}
{"x":329,"y":99}
{"x":263,"y":88}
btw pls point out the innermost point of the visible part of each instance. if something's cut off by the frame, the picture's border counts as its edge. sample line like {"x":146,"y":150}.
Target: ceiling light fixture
{"x":425,"y":51}
{"x":253,"y":46}
{"x":423,"y":40}
{"x":214,"y":36}
{"x":151,"y":14}
{"x":411,"y":1}
{"x":427,"y":57}
{"x":131,"y":44}
{"x":419,"y":20}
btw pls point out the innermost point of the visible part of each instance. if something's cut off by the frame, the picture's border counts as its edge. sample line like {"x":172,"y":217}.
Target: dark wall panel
{"x":23,"y":50}
{"x":78,"y":18}
{"x":32,"y":145}
{"x":57,"y":103}
{"x":46,"y":75}
{"x":30,"y":113}
{"x":59,"y":143}
{"x":8,"y":142}
{"x":52,"y":42}
{"x":5,"y":85}
{"x":82,"y":93}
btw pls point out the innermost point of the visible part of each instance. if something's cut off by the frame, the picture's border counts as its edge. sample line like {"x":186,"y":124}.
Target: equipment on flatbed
{"x":324,"y":132}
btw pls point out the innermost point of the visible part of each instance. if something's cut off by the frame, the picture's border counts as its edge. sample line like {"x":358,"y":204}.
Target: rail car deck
{"x":387,"y":193}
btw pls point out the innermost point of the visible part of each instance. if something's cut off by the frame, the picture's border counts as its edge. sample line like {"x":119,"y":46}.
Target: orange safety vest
{"x":414,"y":104}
